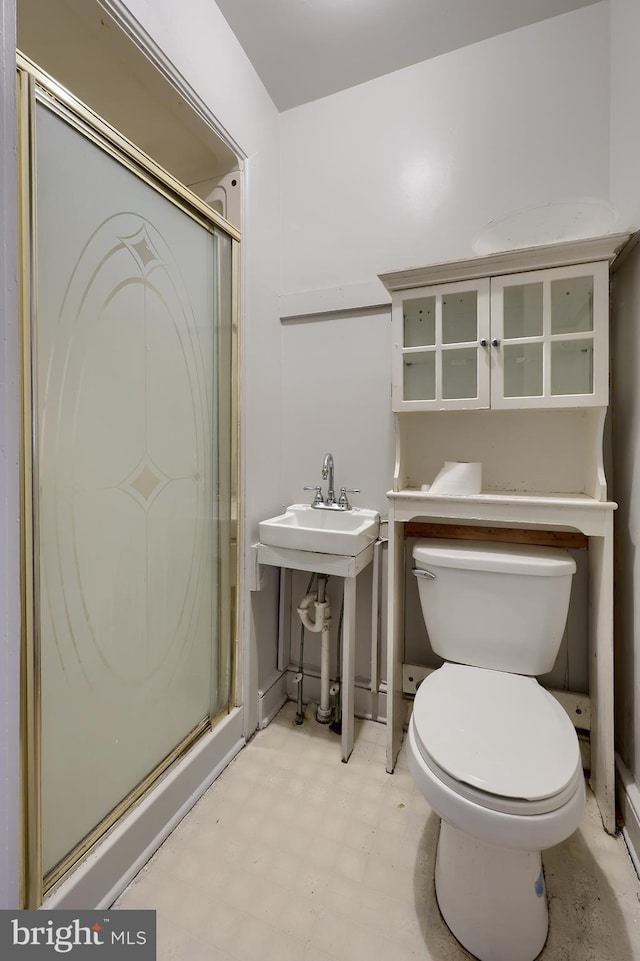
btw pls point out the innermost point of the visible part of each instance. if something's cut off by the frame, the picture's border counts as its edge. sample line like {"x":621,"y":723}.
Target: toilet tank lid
{"x":495,"y":557}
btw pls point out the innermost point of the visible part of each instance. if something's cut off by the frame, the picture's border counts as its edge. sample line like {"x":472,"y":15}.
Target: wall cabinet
{"x":504,"y":360}
{"x":519,"y":340}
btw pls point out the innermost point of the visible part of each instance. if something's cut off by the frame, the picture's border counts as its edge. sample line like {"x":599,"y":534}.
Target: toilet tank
{"x":499,"y":606}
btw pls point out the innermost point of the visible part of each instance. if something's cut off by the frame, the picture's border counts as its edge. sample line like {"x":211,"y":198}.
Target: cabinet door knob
{"x":495,"y":342}
{"x":484,"y":342}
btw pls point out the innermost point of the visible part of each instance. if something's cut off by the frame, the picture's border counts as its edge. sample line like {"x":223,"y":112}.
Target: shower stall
{"x":130,"y":476}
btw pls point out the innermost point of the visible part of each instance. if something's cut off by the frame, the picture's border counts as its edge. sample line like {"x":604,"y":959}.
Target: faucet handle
{"x":318,"y":496}
{"x":343,"y":500}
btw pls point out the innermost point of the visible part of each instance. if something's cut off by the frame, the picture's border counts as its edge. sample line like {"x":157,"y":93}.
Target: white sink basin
{"x":307,"y":528}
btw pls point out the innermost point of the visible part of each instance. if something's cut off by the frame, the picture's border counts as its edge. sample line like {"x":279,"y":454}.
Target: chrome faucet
{"x":330,"y":502}
{"x":327,"y":471}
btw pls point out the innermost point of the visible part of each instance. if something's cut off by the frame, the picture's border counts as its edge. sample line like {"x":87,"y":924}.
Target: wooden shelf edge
{"x":511,"y":535}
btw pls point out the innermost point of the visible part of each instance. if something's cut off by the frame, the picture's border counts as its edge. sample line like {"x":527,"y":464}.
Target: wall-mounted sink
{"x":307,"y":528}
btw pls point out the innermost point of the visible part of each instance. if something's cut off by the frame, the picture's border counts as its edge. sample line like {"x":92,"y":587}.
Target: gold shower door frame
{"x":34,"y":85}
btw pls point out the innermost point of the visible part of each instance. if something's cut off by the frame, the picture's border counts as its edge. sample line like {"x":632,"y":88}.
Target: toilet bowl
{"x":501,"y":753}
{"x":494,"y":754}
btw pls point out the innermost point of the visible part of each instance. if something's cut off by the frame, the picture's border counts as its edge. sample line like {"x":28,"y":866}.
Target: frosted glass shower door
{"x":126,"y":468}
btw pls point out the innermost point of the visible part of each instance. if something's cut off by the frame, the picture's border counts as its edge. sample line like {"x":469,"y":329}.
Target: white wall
{"x":625,"y":118}
{"x":626,"y":491}
{"x":9,"y":475}
{"x":406,"y":170}
{"x":625,"y":192}
{"x":336,"y":397}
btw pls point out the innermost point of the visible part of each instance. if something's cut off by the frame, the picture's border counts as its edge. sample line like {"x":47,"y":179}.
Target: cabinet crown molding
{"x":566,"y":254}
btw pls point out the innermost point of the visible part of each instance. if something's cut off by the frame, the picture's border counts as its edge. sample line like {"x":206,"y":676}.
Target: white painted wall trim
{"x":9,"y":472}
{"x":629,"y":804}
{"x":104,"y":875}
{"x":334,"y":300}
{"x":271,"y":699}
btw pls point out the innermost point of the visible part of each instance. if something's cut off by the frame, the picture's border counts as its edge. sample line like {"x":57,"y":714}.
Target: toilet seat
{"x":504,"y":805}
{"x":499,"y":740}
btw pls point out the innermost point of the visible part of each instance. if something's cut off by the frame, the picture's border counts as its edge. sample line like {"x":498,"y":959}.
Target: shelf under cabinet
{"x":514,"y":509}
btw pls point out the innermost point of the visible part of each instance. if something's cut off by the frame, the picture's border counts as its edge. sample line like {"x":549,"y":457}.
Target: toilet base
{"x":492,"y":898}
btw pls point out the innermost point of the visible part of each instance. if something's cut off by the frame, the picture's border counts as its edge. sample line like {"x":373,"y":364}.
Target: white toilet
{"x":493,"y":752}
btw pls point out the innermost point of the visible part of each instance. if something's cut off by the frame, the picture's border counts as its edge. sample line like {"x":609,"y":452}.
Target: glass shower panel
{"x":226,"y":503}
{"x":126,"y":478}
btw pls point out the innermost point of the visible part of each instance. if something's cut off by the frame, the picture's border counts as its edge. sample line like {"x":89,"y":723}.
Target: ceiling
{"x":306,"y":49}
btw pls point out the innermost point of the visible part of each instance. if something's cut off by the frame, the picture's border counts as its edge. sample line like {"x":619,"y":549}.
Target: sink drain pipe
{"x":320,"y":623}
{"x":335,"y":689}
{"x":299,"y":677}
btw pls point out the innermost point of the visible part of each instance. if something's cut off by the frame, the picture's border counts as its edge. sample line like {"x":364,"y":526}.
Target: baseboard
{"x":629,"y":804}
{"x":104,"y":875}
{"x":271,"y":699}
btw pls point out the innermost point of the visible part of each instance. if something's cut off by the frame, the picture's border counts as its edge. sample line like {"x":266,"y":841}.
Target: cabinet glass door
{"x":571,"y":355}
{"x":419,"y":366}
{"x":419,"y":321}
{"x":441,"y":361}
{"x":546,"y":349}
{"x":459,"y":328}
{"x":522,"y":340}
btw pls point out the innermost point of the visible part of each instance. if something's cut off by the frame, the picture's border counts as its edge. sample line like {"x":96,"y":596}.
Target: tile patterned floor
{"x":293,"y":856}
